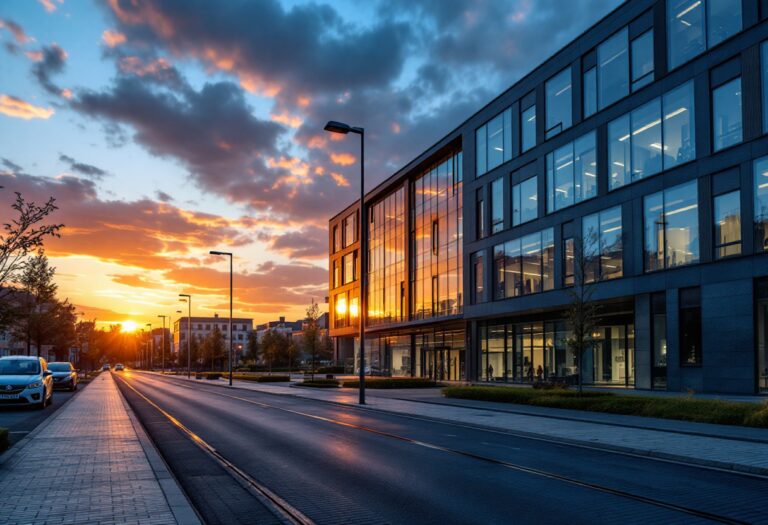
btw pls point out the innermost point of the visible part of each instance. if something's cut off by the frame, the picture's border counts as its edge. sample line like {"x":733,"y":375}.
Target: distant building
{"x":201,"y":327}
{"x":281,"y":326}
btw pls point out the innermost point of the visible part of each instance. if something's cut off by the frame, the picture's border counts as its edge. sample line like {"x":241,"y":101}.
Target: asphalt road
{"x":341,"y":464}
{"x":20,"y":421}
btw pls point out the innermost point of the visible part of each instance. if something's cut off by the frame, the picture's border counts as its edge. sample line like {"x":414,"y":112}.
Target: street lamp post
{"x":340,"y":127}
{"x":162,"y":347}
{"x":150,"y":345}
{"x":214,"y":252}
{"x":189,"y":332}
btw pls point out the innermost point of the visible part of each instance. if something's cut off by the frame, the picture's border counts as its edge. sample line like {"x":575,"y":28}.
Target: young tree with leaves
{"x":36,"y":311}
{"x":310,"y":333}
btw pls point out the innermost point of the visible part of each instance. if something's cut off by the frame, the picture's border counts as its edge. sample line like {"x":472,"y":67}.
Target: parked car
{"x":25,"y":381}
{"x":119,"y":367}
{"x":64,"y":375}
{"x":105,"y":367}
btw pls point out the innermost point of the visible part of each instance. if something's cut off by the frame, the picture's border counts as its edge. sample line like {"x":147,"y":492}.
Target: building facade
{"x":636,"y":156}
{"x":201,"y":327}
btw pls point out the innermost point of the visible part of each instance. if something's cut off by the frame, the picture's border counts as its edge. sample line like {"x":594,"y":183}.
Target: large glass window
{"x":572,"y":173}
{"x":590,"y":92}
{"x":727,"y":218}
{"x":497,"y":205}
{"x":478,"y":277}
{"x":726,"y":114}
{"x":350,"y":229}
{"x":558,"y":104}
{"x":636,"y":141}
{"x":524,"y":266}
{"x":336,"y":239}
{"x":348,"y":263}
{"x":690,"y":326}
{"x":695,"y":25}
{"x":336,"y":274}
{"x":386,"y":264}
{"x":524,"y":201}
{"x":760,"y":168}
{"x":642,"y":60}
{"x":569,"y":260}
{"x":528,"y":128}
{"x":479,"y":214}
{"x":493,"y":142}
{"x":613,"y":69}
{"x":603,"y":247}
{"x":671,"y":220}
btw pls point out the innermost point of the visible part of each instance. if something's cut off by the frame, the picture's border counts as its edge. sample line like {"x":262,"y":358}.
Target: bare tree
{"x":582,"y":313}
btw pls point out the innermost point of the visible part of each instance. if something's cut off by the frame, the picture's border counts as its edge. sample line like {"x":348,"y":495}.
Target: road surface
{"x":339,"y":464}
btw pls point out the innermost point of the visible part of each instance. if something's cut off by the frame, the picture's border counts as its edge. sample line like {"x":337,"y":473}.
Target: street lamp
{"x":339,"y":127}
{"x":162,"y":347}
{"x":151,"y":345}
{"x":188,"y":300}
{"x":214,"y":252}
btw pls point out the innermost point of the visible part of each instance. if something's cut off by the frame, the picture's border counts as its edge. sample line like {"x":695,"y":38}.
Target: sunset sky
{"x":165,"y":129}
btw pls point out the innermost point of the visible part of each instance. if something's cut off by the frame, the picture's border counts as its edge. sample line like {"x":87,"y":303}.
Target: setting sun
{"x":128,"y":326}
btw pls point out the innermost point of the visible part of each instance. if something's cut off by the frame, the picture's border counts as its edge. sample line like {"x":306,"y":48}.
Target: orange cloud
{"x":303,"y":101}
{"x":340,"y":179}
{"x":342,"y":159}
{"x":113,"y":38}
{"x":317,"y":142}
{"x":49,"y":5}
{"x":34,"y":56}
{"x":17,"y":108}
{"x":136,"y":66}
{"x":288,"y":120}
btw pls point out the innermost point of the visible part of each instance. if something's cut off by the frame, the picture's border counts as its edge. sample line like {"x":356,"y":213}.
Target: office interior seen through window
{"x":634,"y":161}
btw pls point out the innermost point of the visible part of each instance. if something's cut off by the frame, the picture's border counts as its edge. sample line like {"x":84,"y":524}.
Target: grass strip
{"x":679,"y":408}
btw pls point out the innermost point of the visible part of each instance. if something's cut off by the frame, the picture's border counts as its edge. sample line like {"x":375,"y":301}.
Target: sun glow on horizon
{"x":128,"y":326}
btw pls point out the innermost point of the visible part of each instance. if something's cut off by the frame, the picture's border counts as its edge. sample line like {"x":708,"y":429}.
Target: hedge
{"x":208,"y":375}
{"x":392,"y":382}
{"x":680,"y":408}
{"x":320,"y":383}
{"x":330,"y":370}
{"x":4,"y":440}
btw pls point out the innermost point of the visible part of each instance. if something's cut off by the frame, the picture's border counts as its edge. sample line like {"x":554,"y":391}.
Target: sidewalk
{"x":729,"y":447}
{"x":90,"y":462}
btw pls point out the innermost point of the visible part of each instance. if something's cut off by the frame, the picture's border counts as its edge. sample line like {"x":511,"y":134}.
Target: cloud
{"x":84,"y":169}
{"x":15,"y":107}
{"x":310,"y":242}
{"x":112,"y":38}
{"x":53,"y":60}
{"x":15,"y":30}
{"x":163,"y":197}
{"x":50,"y":5}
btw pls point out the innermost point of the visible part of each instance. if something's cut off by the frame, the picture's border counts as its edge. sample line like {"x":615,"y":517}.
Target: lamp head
{"x":337,"y":127}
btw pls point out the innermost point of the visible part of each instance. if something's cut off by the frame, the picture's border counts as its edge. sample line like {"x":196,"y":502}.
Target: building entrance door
{"x":440,"y":364}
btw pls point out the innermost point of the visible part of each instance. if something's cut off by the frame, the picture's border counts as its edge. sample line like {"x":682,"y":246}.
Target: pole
{"x":231,"y":335}
{"x":362,"y":224}
{"x":189,"y":337}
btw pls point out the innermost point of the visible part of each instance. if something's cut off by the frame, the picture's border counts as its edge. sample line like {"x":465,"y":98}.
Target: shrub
{"x":213,"y":375}
{"x":320,"y":383}
{"x":272,"y":379}
{"x":393,"y":382}
{"x":4,"y":442}
{"x":330,"y":370}
{"x":685,"y":409}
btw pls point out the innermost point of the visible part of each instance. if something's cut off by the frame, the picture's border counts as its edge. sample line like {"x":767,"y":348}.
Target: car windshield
{"x":19,"y":367}
{"x":58,"y":367}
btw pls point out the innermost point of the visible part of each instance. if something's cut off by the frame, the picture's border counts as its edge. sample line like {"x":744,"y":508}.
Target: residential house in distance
{"x":201,"y":327}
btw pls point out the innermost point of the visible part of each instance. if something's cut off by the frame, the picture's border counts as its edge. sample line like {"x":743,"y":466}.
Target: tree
{"x":18,"y":237}
{"x":252,"y":347}
{"x":274,"y":348}
{"x":582,"y":313}
{"x":213,"y":346}
{"x":36,"y":308}
{"x":310,"y":333}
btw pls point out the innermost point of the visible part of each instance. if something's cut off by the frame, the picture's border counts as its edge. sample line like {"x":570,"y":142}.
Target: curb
{"x":644,"y":453}
{"x":6,"y":456}
{"x":181,"y":507}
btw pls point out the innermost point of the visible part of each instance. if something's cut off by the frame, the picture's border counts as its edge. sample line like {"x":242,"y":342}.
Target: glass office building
{"x":634,"y":163}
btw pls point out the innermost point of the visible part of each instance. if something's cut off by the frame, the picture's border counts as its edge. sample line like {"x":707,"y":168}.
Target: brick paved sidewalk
{"x":734,"y":448}
{"x":89,"y":464}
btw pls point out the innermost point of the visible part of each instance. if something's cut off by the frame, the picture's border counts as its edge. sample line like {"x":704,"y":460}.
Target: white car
{"x":25,"y":381}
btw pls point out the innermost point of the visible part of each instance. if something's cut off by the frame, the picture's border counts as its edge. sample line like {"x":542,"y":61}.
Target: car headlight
{"x":36,"y":384}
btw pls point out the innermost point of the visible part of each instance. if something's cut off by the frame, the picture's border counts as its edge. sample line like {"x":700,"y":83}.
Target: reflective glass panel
{"x":558,"y":103}
{"x":764,"y":66}
{"x":761,"y":203}
{"x":618,"y":152}
{"x":653,"y":219}
{"x":611,"y":247}
{"x":495,"y":142}
{"x":679,"y":128}
{"x":531,"y":247}
{"x":585,"y":166}
{"x":613,"y":69}
{"x":563,"y":177}
{"x":642,"y":60}
{"x":590,"y":92}
{"x":528,"y":200}
{"x":513,"y":279}
{"x":497,"y":205}
{"x":646,"y":140}
{"x":481,"y":145}
{"x":528,"y":127}
{"x":723,"y":20}
{"x":685,"y":30}
{"x":726,"y":118}
{"x":727,"y":216}
{"x":548,"y":259}
{"x":590,"y":241}
{"x":681,"y":216}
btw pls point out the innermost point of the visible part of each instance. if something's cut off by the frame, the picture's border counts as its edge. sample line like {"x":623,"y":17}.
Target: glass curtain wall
{"x":760,"y":169}
{"x":524,"y":266}
{"x":493,"y":142}
{"x":558,"y":103}
{"x":672,"y":227}
{"x":602,"y":245}
{"x":436,"y":241}
{"x":440,"y":355}
{"x":695,"y":25}
{"x":386,"y":263}
{"x":572,"y":173}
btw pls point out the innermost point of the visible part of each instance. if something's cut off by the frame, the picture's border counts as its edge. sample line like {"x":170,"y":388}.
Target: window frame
{"x":663,"y":258}
{"x":566,"y":122}
{"x":524,"y":127}
{"x":716,"y":245}
{"x":713,"y":124}
{"x":517,"y":200}
{"x":705,"y":32}
{"x":577,"y":179}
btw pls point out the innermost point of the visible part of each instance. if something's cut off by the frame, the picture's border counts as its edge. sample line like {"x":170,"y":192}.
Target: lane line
{"x":281,"y":507}
{"x":486,"y":459}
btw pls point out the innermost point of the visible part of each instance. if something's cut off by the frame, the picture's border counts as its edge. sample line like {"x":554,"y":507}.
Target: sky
{"x":165,"y":129}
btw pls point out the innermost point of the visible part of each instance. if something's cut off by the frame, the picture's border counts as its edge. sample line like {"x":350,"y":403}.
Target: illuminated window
{"x":671,"y":220}
{"x":602,"y":245}
{"x":524,"y":201}
{"x":525,"y":265}
{"x":558,"y":103}
{"x":572,"y":173}
{"x":497,"y":205}
{"x":695,"y":25}
{"x":727,"y":218}
{"x":726,"y":114}
{"x":528,"y":128}
{"x":493,"y":142}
